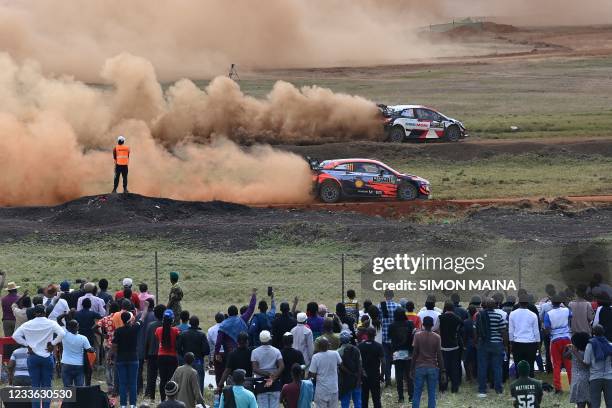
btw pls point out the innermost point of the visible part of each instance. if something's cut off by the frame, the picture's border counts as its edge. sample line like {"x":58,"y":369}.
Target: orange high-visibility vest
{"x":122,"y":153}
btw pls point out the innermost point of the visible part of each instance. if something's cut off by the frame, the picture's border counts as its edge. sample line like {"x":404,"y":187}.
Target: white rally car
{"x":402,"y":122}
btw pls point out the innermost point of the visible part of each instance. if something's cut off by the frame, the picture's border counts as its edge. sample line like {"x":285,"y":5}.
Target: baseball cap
{"x":265,"y":336}
{"x":64,"y":286}
{"x":127,"y":282}
{"x":168,"y":314}
{"x":301,"y":317}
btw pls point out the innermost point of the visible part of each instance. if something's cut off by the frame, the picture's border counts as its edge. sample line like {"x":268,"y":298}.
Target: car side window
{"x":342,"y":167}
{"x":408,"y":113}
{"x":425,"y":114}
{"x":368,"y":168}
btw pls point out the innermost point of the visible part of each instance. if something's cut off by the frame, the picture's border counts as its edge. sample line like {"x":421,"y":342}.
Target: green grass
{"x":527,"y":175}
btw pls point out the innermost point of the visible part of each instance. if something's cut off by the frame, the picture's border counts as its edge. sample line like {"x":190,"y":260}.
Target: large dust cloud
{"x":56,"y":134}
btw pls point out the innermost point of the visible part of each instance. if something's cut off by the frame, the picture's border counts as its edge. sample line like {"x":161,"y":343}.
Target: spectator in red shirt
{"x":412,"y":316}
{"x":167,"y":360}
{"x":126,"y":292}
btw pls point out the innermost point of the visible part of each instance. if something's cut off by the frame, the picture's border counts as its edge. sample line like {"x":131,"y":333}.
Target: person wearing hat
{"x":167,"y":359}
{"x":427,"y":363}
{"x":236,"y":395}
{"x":175,"y":296}
{"x":8,"y":318}
{"x":268,"y":366}
{"x":189,"y":385}
{"x":350,"y":371}
{"x":291,"y":356}
{"x":302,"y":338}
{"x":526,"y":391}
{"x":121,"y":156}
{"x":557,"y":323}
{"x":97,"y":305}
{"x":171,"y":390}
{"x":38,"y":335}
{"x":524,"y":333}
{"x":127,"y":289}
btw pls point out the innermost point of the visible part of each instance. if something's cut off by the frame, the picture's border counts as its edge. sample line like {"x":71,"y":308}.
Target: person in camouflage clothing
{"x":175,"y":297}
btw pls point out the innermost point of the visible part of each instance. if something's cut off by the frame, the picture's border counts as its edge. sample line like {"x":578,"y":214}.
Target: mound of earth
{"x":104,"y":210}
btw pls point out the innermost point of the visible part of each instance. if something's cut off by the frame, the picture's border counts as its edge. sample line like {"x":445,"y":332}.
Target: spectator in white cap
{"x":302,"y":338}
{"x":127,"y":290}
{"x":267,"y":367}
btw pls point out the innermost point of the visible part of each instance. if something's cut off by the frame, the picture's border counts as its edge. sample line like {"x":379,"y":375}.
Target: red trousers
{"x":556,"y":356}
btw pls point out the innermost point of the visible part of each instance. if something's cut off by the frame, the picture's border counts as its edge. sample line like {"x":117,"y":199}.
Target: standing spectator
{"x":427,"y":363}
{"x":127,"y":290}
{"x":8,"y":318}
{"x":125,"y":347}
{"x":431,"y":310}
{"x":598,"y":356}
{"x":372,"y":357}
{"x":171,"y":390}
{"x":282,"y":324}
{"x":333,"y":340}
{"x":74,"y":345}
{"x":152,"y":349}
{"x":362,"y":328}
{"x":324,"y":368}
{"x":582,"y":312}
{"x":167,"y":360}
{"x":458,"y":309}
{"x":579,"y":388}
{"x":175,"y":296}
{"x":213,"y":333}
{"x":557,"y":322}
{"x":546,"y":305}
{"x":412,"y":315}
{"x":18,"y":374}
{"x":144,"y":294}
{"x":234,"y":324}
{"x":188,"y":383}
{"x":524,"y":333}
{"x":37,"y":335}
{"x":261,"y":321}
{"x":20,"y":309}
{"x":451,"y":329}
{"x":469,"y":359}
{"x":350,"y":372}
{"x":352,"y":305}
{"x":490,"y":331}
{"x":291,"y":356}
{"x":345,"y":319}
{"x":59,"y":303}
{"x":526,"y":392}
{"x":194,"y":341}
{"x":87,"y":319}
{"x":299,"y":393}
{"x":267,"y":367}
{"x":401,"y":333}
{"x":239,"y":396}
{"x":374,"y":313}
{"x":97,"y":305}
{"x":184,"y":323}
{"x":603,"y":315}
{"x":147,"y":316}
{"x":103,"y":292}
{"x":303,"y":338}
{"x":107,"y":327}
{"x":314,"y":321}
{"x":238,"y":359}
{"x":387,"y":310}
{"x":72,"y":296}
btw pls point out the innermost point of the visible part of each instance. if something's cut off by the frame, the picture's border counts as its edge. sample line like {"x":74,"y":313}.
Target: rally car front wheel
{"x":407,"y":192}
{"x":453,"y":133}
{"x":397,"y":135}
{"x":330,"y":192}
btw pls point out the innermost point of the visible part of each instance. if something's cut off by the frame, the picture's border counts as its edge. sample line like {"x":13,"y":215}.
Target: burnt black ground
{"x":231,"y":227}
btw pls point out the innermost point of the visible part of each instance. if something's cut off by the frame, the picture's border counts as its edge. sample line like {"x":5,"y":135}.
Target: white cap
{"x":265,"y":336}
{"x":301,"y":317}
{"x":121,"y":139}
{"x":127,"y":282}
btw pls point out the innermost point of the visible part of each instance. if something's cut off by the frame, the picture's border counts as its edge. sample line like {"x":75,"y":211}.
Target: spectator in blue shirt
{"x":74,"y":345}
{"x":242,"y":398}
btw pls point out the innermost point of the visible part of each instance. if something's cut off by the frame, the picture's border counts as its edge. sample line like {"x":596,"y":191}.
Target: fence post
{"x":156,"y":279}
{"x":520,"y":274}
{"x":342,"y":277}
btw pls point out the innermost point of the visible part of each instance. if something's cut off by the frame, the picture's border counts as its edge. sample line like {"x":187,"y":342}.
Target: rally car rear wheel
{"x":407,"y":192}
{"x":330,"y":192}
{"x":453,"y":134}
{"x":397,"y":135}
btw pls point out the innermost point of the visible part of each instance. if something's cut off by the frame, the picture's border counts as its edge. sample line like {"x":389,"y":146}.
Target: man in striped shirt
{"x":387,"y":309}
{"x":490,"y":338}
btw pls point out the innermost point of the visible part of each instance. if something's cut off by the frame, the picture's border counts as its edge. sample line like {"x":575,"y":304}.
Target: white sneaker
{"x":482,"y":395}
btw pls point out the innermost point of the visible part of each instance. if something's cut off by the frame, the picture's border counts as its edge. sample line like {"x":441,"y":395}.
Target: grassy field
{"x":543,"y":98}
{"x":527,"y":175}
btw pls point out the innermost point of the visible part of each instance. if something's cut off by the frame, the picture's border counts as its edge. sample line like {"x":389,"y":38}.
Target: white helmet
{"x":121,"y":139}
